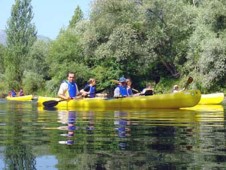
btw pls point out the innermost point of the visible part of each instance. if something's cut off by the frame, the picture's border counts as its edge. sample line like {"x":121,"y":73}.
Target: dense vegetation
{"x":140,"y":39}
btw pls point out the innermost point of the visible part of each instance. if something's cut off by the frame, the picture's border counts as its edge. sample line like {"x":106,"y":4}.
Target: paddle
{"x":190,"y":79}
{"x":51,"y":103}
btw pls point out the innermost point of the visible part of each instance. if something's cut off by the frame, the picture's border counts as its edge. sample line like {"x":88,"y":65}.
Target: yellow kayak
{"x":20,"y":98}
{"x":211,"y":99}
{"x":205,"y":108}
{"x":159,"y":101}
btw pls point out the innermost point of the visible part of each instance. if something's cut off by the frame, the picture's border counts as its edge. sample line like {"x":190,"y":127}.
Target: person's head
{"x":71,"y":76}
{"x":129,"y":82}
{"x":175,"y":87}
{"x":149,"y":85}
{"x":122,"y":81}
{"x":92,"y":81}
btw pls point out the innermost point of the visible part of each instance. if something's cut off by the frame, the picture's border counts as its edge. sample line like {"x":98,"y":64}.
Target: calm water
{"x":33,"y":138}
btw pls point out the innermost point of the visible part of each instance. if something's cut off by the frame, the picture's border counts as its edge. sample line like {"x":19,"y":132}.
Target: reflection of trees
{"x":155,"y":140}
{"x":19,"y":156}
{"x":18,"y":153}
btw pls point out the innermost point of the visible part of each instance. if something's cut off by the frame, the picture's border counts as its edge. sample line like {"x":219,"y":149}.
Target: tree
{"x":78,"y":16}
{"x":2,"y":53}
{"x":21,"y":34}
{"x":206,"y":55}
{"x":37,"y":58}
{"x":114,"y":37}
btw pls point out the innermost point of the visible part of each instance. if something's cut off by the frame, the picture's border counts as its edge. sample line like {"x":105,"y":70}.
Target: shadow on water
{"x":37,"y":138}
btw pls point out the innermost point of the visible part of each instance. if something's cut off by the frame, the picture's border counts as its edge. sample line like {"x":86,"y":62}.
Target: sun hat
{"x":122,"y":79}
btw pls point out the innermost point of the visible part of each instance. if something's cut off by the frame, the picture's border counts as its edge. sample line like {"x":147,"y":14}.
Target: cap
{"x":122,"y":79}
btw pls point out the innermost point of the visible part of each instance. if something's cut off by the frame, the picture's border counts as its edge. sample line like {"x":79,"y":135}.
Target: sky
{"x":49,"y":15}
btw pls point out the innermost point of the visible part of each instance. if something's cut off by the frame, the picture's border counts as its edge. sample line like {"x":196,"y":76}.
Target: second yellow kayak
{"x":211,"y":99}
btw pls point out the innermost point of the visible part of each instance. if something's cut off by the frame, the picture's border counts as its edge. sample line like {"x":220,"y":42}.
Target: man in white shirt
{"x":68,"y":89}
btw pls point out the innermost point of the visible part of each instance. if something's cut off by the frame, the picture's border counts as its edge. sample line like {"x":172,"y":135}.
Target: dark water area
{"x":34,"y":138}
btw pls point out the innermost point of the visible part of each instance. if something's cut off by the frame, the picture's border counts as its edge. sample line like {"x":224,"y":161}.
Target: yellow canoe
{"x":211,"y":99}
{"x":159,"y":101}
{"x":205,"y":108}
{"x":20,"y":98}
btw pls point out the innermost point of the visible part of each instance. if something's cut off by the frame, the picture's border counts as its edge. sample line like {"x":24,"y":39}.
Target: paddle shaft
{"x":189,"y":81}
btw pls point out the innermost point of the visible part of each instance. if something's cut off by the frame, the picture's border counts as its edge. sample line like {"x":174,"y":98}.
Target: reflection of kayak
{"x":159,"y":101}
{"x":206,"y":108}
{"x":214,"y":98}
{"x":176,"y":117}
{"x":20,"y":98}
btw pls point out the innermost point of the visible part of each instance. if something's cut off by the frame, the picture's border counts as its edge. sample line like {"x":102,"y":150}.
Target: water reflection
{"x":160,"y":139}
{"x":122,"y":124}
{"x":69,"y":118}
{"x":17,"y":153}
{"x":111,"y":139}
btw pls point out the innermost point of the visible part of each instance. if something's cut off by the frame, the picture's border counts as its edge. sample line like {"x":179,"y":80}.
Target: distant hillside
{"x":3,"y":37}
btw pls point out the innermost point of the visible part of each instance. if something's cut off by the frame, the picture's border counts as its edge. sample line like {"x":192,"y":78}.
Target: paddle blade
{"x":50,"y":103}
{"x":189,"y":81}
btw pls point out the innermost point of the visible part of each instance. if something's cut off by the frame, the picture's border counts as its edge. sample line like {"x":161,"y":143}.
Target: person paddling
{"x":12,"y":93}
{"x":21,"y":92}
{"x":90,"y":89}
{"x":129,"y":87}
{"x":176,"y":89}
{"x":148,"y":90}
{"x":68,"y":88}
{"x":121,"y":89}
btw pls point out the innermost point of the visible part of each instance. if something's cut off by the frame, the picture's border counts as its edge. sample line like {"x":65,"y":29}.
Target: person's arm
{"x":117,"y":92}
{"x":62,"y":91}
{"x":129,"y":91}
{"x":143,"y":91}
{"x":85,"y":91}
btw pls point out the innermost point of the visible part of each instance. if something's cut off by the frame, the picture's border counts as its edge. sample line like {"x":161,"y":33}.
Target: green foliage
{"x":66,"y":49}
{"x":32,"y":82}
{"x":2,"y":54}
{"x":78,"y":16}
{"x":138,"y":39}
{"x":21,"y":35}
{"x":65,"y":54}
{"x":37,"y":58}
{"x":206,"y":55}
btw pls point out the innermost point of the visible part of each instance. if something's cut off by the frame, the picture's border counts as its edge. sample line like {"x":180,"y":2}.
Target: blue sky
{"x":49,"y":15}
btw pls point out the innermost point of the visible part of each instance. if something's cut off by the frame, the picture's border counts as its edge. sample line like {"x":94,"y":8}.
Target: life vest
{"x":21,"y":93}
{"x":129,"y":91}
{"x":123,"y":90}
{"x":13,"y":93}
{"x":92,"y":91}
{"x":72,"y":89}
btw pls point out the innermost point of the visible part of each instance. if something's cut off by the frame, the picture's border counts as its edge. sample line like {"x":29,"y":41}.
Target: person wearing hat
{"x":121,"y":89}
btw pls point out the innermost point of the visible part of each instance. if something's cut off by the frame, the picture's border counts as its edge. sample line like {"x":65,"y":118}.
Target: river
{"x":34,"y":138}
